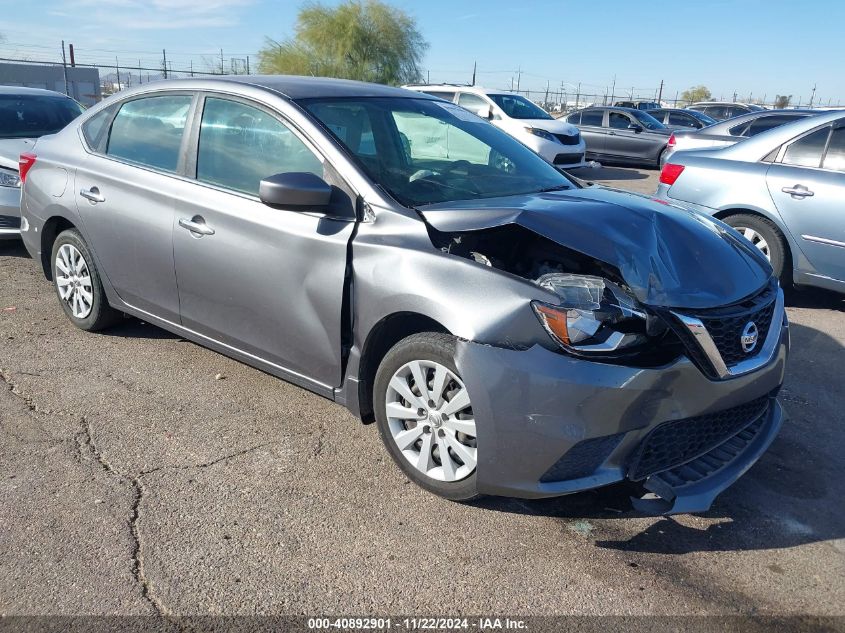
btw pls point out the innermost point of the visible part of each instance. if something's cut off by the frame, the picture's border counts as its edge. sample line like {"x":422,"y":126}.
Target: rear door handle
{"x":798,"y":191}
{"x":92,"y":195}
{"x":196,"y":225}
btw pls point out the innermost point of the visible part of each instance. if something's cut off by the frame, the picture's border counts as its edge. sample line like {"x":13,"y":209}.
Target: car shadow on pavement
{"x":13,"y":248}
{"x":788,"y":498}
{"x":815,"y":298}
{"x":592,"y":174}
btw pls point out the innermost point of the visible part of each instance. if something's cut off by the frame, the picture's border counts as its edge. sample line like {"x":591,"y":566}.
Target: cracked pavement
{"x":143,"y":474}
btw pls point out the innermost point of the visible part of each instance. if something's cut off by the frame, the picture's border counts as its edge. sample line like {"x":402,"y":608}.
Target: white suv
{"x":558,"y":142}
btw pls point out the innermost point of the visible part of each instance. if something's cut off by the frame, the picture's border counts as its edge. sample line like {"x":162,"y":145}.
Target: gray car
{"x":733,"y":130}
{"x":782,"y":189}
{"x":25,"y":115}
{"x":722,"y":110}
{"x":621,"y":135}
{"x":509,"y":331}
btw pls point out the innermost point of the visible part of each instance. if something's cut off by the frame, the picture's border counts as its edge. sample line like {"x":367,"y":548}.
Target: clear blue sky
{"x":750,"y":46}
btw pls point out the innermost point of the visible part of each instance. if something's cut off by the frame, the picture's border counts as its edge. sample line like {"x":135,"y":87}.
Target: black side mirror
{"x":303,"y":190}
{"x":635,"y":127}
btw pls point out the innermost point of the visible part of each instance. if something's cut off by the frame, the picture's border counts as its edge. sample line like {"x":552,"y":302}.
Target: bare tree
{"x":782,"y":101}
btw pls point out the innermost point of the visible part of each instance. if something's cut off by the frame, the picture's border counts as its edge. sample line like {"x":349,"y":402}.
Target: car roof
{"x":23,"y":90}
{"x":754,"y":148}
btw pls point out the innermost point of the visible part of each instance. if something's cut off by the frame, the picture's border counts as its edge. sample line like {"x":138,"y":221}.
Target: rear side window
{"x":683,"y":120}
{"x":149,"y":131}
{"x":807,"y":151}
{"x":449,"y":96}
{"x":240,"y":145}
{"x":835,"y":156}
{"x":768,"y":122}
{"x":94,"y":127}
{"x":592,"y":117}
{"x":618,"y":121}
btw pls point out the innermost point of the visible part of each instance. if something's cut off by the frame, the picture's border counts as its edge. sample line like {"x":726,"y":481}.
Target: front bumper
{"x":560,"y":155}
{"x":533,"y":406}
{"x":10,"y":212}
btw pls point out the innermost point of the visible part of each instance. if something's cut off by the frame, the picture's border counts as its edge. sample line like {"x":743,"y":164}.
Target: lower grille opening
{"x":582,"y":459}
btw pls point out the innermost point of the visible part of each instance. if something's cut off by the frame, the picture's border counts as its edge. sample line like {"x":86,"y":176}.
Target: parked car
{"x":510,"y":331}
{"x":25,"y":114}
{"x":721,"y":110}
{"x":553,"y":139}
{"x":783,"y":190}
{"x":621,"y":135}
{"x":679,"y":118}
{"x":733,"y":130}
{"x":637,"y":105}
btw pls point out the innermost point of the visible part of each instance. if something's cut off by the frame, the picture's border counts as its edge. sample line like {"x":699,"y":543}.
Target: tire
{"x":769,"y":240}
{"x":84,"y":302}
{"x":421,"y":429}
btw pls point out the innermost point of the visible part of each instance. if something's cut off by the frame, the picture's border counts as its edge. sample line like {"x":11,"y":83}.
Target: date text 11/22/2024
{"x":416,"y":624}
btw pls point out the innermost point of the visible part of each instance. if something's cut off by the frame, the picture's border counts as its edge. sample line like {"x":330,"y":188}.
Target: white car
{"x":558,"y":142}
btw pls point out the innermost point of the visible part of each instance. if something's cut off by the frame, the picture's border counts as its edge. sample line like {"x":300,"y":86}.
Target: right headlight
{"x":9,"y":178}
{"x":594,"y":317}
{"x":542,"y":134}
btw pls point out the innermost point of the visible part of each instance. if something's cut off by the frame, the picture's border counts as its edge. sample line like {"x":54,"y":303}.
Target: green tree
{"x":696,"y":93}
{"x":782,"y":101}
{"x":365,"y":40}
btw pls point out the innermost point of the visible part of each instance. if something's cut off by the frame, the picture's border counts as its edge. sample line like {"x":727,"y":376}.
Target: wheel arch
{"x":791,"y":250}
{"x":380,"y":339}
{"x":49,"y":232}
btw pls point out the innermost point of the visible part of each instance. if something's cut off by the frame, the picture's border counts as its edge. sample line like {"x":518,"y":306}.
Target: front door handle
{"x":93,"y":195}
{"x":798,"y":191}
{"x":196,"y":225}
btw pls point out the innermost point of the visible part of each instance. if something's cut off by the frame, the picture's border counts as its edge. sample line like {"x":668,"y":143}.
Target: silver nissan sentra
{"x":510,"y":331}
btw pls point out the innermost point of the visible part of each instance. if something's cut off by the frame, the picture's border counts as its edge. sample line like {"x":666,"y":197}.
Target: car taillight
{"x":25,"y":163}
{"x":670,"y":173}
{"x":671,"y":140}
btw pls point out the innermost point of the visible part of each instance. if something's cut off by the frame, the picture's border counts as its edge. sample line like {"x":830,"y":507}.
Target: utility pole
{"x":247,"y":64}
{"x":660,"y":93}
{"x":164,"y":63}
{"x":518,"y":77}
{"x":812,"y":96}
{"x":221,"y":62}
{"x":72,"y":56}
{"x":64,"y":67}
{"x":474,"y":64}
{"x":117,"y":71}
{"x":734,"y":99}
{"x":578,"y":95}
{"x":428,"y":77}
{"x":546,"y":102}
{"x":613,"y":91}
{"x":192,"y":68}
{"x":140,"y":75}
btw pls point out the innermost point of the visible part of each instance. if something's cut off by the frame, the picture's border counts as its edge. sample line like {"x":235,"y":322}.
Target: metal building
{"x":83,"y":84}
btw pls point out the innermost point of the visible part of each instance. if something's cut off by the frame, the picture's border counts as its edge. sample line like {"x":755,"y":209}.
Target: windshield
{"x":424,"y":151}
{"x":647,"y":121}
{"x":518,"y":107}
{"x":31,"y":116}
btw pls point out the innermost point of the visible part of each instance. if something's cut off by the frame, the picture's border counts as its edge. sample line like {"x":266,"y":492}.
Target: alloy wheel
{"x":430,"y":419}
{"x":73,"y":280}
{"x":756,"y":239}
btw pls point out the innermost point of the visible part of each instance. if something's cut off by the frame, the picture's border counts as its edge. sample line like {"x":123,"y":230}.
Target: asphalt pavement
{"x":143,"y":474}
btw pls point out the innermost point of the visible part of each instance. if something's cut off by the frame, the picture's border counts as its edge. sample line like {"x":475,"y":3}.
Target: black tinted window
{"x":768,"y":122}
{"x":683,"y":120}
{"x":835,"y":157}
{"x":448,"y":96}
{"x":574,"y":118}
{"x":149,"y":131}
{"x":807,"y":151}
{"x":618,"y":121}
{"x":592,"y":117}
{"x":31,"y":116}
{"x":240,"y":145}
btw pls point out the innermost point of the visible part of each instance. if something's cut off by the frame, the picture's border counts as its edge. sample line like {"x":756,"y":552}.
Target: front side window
{"x":240,"y":145}
{"x":592,"y":117}
{"x":574,"y":118}
{"x":618,"y":121}
{"x":647,"y":121}
{"x":807,"y":151}
{"x":32,"y":116}
{"x":427,"y":151}
{"x":149,"y":131}
{"x":518,"y":107}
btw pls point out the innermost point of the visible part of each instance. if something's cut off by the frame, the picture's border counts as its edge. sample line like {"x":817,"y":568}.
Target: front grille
{"x":726,"y":324}
{"x":582,"y":459}
{"x":679,"y":441}
{"x":10,"y":222}
{"x":568,"y":159}
{"x":569,"y":139}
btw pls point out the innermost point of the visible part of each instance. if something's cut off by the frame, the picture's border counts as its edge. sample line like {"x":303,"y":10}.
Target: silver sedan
{"x":783,"y":190}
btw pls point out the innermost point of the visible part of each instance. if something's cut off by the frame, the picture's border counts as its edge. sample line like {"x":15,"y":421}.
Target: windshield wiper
{"x":555,"y":188}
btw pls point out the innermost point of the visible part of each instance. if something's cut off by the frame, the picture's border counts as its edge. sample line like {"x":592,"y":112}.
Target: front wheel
{"x":424,"y":416}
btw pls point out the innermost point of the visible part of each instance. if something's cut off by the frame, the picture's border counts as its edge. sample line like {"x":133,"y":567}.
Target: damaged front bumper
{"x":550,"y":424}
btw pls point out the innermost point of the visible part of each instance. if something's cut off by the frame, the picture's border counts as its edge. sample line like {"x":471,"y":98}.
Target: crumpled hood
{"x":669,"y":256}
{"x":11,"y":149}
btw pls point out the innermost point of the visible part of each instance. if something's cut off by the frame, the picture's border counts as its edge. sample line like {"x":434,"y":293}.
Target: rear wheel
{"x":78,"y":284}
{"x":424,"y":416}
{"x":766,"y":238}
